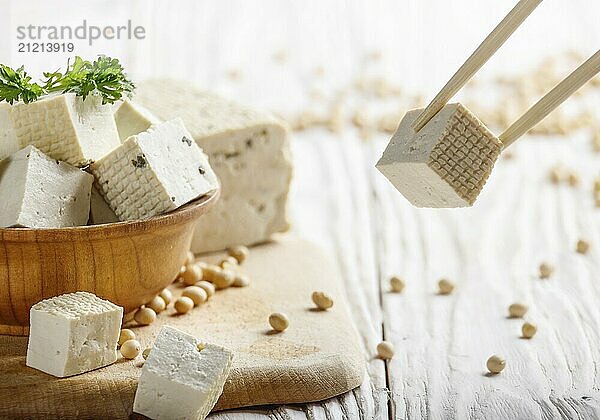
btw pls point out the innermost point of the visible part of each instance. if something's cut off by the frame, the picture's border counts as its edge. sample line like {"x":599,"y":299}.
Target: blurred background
{"x":282,"y":46}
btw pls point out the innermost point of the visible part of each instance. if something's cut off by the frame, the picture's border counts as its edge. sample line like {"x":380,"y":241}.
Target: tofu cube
{"x":66,"y":127}
{"x":8,"y":139}
{"x":39,"y":192}
{"x":132,"y":119}
{"x":446,"y":163}
{"x":154,"y":172}
{"x":73,"y":333}
{"x":249,"y":151}
{"x":180,"y":379}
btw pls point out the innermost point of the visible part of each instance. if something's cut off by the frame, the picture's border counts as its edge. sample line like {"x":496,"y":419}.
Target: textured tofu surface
{"x":178,"y":381}
{"x":445,"y":164}
{"x":66,"y":128}
{"x":8,"y":138}
{"x":73,"y":333}
{"x":154,"y":172}
{"x":132,"y":118}
{"x":39,"y":192}
{"x":249,"y":152}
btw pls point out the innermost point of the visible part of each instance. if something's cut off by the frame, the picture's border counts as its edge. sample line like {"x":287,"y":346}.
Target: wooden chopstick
{"x":486,"y":49}
{"x":552,"y":99}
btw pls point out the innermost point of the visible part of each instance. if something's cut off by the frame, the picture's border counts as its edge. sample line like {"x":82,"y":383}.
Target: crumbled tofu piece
{"x":249,"y":152}
{"x":154,"y":172}
{"x":446,"y":163}
{"x":73,"y":333}
{"x":182,"y":377}
{"x":39,"y":192}
{"x":66,"y":127}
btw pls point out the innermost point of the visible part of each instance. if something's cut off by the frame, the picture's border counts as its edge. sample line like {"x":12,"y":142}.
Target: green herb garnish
{"x":104,"y":77}
{"x":16,"y":85}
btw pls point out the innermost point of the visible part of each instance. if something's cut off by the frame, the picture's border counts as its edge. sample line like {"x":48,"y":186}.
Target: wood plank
{"x":339,"y":217}
{"x":316,"y":358}
{"x":492,"y":252}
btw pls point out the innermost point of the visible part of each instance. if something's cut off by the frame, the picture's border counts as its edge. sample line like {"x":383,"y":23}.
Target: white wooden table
{"x":340,"y":201}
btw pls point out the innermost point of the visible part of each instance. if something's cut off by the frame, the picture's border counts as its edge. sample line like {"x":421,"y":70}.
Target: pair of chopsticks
{"x":488,"y":47}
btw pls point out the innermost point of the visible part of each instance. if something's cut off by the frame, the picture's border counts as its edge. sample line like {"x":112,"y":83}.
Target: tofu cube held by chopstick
{"x":446,"y":163}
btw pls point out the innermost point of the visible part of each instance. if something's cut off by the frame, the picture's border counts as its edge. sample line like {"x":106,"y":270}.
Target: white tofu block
{"x":178,"y":380}
{"x":73,"y":333}
{"x":8,"y":138}
{"x":100,"y":211}
{"x":66,"y":128}
{"x":154,"y":172}
{"x":248,"y":150}
{"x":445,"y":164}
{"x":39,"y":192}
{"x":133,"y":119}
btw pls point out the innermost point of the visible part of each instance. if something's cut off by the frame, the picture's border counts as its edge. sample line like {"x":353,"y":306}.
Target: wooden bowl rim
{"x":183,"y":214}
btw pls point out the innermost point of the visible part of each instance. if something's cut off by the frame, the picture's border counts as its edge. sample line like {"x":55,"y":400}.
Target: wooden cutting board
{"x":318,"y":357}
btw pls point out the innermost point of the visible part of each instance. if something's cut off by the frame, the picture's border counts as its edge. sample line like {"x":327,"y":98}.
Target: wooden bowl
{"x":127,"y":263}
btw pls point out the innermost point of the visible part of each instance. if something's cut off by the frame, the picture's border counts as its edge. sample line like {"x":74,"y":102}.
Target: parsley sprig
{"x":104,"y":77}
{"x":16,"y":85}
